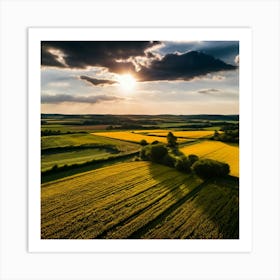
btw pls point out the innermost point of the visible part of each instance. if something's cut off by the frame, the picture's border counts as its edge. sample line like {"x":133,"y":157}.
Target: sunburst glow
{"x":127,"y":82}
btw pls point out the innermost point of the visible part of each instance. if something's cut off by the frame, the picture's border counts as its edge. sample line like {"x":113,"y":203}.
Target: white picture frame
{"x":243,"y":35}
{"x":261,"y":261}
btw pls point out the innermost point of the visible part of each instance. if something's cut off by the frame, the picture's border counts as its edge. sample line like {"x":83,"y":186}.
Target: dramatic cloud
{"x":48,"y":58}
{"x":224,"y":50}
{"x":60,"y":98}
{"x":97,"y":82}
{"x":82,"y":54}
{"x":142,"y":59}
{"x":185,"y":66}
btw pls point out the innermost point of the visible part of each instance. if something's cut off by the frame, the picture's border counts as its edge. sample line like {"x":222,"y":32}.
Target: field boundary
{"x":62,"y":172}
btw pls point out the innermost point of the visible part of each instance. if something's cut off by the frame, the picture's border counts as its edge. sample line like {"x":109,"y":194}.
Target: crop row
{"x":137,"y":200}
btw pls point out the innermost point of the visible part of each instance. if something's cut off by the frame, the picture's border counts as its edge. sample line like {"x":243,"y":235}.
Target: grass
{"x":138,"y":200}
{"x":80,"y":148}
{"x":82,"y":139}
{"x":216,"y":150}
{"x":72,"y":157}
{"x":48,"y":176}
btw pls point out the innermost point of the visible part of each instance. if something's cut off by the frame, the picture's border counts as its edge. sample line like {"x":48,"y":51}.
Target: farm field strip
{"x":133,"y":137}
{"x":138,"y":200}
{"x":62,"y":158}
{"x":185,"y":134}
{"x":94,"y":189}
{"x":179,"y":191}
{"x":218,"y":151}
{"x":104,"y":216}
{"x":197,"y":222}
{"x":55,"y":141}
{"x":72,"y":149}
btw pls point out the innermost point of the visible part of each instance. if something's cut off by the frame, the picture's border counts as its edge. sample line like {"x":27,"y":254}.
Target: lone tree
{"x":171,"y":140}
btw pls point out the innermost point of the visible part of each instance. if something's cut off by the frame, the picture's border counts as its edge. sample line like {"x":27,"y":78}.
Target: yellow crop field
{"x":130,"y":136}
{"x":218,"y":151}
{"x":158,"y":135}
{"x":186,"y":134}
{"x":137,"y":200}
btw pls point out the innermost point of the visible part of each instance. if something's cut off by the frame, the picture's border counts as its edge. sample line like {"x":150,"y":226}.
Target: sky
{"x":140,"y":77}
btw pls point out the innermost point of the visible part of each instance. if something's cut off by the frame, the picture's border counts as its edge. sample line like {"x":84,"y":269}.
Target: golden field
{"x":138,"y":200}
{"x":193,"y":134}
{"x":153,"y":135}
{"x":131,"y":136}
{"x":218,"y":151}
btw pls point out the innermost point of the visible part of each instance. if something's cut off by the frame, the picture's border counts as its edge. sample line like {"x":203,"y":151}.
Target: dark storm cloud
{"x":97,"y":82}
{"x":120,"y":57}
{"x":49,"y":59}
{"x":81,"y":54}
{"x":224,"y":50}
{"x":61,"y":98}
{"x":185,"y":66}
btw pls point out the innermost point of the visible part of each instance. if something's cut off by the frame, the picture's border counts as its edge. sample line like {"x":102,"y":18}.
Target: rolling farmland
{"x":153,"y":135}
{"x":218,"y":151}
{"x":180,"y":134}
{"x":138,"y":200}
{"x":73,"y":157}
{"x":79,"y":148}
{"x":82,"y":139}
{"x":130,"y":136}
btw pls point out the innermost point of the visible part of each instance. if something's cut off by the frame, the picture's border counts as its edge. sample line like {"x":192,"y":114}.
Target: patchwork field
{"x":79,"y":148}
{"x":153,"y":135}
{"x":181,"y":134}
{"x":138,"y":200}
{"x":85,"y":139}
{"x":73,"y":157}
{"x":130,"y":136}
{"x":216,"y":150}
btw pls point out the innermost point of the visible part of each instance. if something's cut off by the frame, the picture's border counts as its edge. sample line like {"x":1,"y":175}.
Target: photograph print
{"x":140,"y":139}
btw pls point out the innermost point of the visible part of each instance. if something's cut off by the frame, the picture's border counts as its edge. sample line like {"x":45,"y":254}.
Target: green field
{"x":73,"y":157}
{"x":79,"y":148}
{"x":139,"y":200}
{"x":82,"y":139}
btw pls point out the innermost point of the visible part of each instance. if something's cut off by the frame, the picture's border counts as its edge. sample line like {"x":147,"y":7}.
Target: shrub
{"x":143,"y":142}
{"x":169,"y":160}
{"x":155,"y":142}
{"x":208,"y":168}
{"x":158,"y":151}
{"x":145,"y":153}
{"x":183,"y":164}
{"x":193,"y":159}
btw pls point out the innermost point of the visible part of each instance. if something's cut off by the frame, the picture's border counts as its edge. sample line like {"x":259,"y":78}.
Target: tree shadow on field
{"x":207,"y":210}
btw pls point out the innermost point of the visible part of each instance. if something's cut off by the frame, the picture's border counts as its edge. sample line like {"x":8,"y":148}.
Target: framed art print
{"x":139,"y":139}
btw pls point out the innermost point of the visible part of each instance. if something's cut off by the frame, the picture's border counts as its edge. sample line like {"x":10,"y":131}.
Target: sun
{"x":127,"y":82}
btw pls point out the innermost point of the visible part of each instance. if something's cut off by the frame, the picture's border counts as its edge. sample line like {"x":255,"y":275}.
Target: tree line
{"x":170,"y":155}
